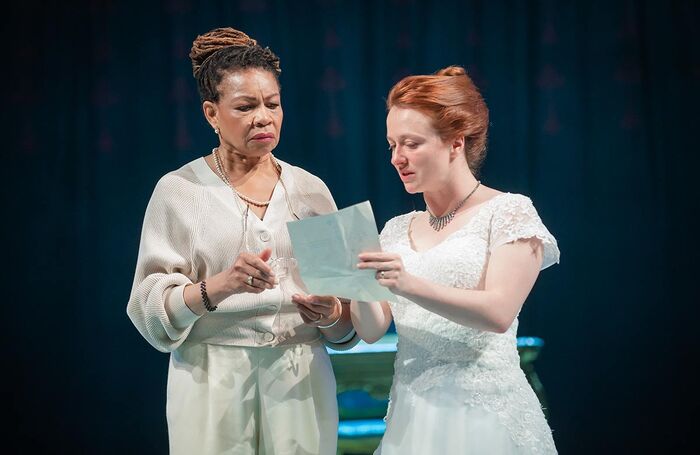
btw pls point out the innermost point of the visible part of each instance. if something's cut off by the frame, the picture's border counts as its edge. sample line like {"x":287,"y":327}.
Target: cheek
{"x":279,"y":117}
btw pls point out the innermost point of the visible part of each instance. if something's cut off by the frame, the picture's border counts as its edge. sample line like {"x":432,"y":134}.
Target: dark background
{"x":593,"y":115}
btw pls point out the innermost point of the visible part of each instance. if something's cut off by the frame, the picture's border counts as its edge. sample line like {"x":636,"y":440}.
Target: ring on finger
{"x":249,"y":280}
{"x":381,"y":274}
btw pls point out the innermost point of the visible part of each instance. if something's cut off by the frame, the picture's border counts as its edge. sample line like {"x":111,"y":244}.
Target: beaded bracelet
{"x":205,"y":297}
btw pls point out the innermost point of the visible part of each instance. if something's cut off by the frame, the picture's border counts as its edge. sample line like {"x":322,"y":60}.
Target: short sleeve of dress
{"x":514,"y":218}
{"x":394,"y":230}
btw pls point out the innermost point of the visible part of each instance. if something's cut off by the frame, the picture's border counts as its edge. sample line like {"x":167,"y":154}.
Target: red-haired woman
{"x":461,"y":271}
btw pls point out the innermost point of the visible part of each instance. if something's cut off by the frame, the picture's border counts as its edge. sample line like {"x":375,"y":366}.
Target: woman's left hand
{"x":390,"y":270}
{"x":318,"y":309}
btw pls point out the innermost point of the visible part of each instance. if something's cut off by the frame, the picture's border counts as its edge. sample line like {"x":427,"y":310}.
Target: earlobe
{"x":457,"y":147}
{"x":209,"y":109}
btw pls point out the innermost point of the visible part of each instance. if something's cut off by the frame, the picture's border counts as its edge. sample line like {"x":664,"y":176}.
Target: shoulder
{"x":398,"y":223}
{"x":505,"y":203}
{"x":178,"y":186}
{"x":514,"y":217}
{"x":302,"y":177}
{"x":309,"y":193}
{"x":394,"y":230}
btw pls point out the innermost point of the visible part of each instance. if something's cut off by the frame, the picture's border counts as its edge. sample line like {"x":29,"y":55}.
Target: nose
{"x":397,"y":158}
{"x":262,"y":116}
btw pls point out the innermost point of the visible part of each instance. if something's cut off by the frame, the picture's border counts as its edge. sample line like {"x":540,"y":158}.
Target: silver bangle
{"x":331,"y":324}
{"x":334,"y":322}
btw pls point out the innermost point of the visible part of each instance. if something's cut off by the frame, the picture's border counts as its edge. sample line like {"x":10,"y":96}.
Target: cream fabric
{"x":193,"y":228}
{"x":240,"y":400}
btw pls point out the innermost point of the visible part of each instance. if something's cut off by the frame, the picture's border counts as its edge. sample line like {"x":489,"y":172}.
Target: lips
{"x":263,"y":136}
{"x":404,"y":175}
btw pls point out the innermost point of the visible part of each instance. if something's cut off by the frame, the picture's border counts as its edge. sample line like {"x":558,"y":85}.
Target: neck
{"x":238,"y":165}
{"x":446,"y":198}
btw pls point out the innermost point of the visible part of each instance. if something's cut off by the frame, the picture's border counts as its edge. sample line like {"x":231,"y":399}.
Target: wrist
{"x":412,"y":287}
{"x":206,"y":301}
{"x":337,"y":315}
{"x":217,"y":288}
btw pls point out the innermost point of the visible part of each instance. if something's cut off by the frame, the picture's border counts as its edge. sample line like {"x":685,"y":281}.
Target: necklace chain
{"x":244,"y":212}
{"x":439,"y":222}
{"x":224,"y":177}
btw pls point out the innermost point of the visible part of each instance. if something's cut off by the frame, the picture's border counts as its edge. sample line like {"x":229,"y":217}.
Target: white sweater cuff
{"x":178,"y":312}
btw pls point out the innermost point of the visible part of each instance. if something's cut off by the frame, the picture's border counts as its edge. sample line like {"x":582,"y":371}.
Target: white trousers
{"x":239,"y":400}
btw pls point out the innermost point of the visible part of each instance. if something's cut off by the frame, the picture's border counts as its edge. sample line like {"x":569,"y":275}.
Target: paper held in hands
{"x":326,"y":248}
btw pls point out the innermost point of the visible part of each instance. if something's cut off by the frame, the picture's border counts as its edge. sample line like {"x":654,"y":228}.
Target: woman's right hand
{"x":234,"y":280}
{"x":249,"y":273}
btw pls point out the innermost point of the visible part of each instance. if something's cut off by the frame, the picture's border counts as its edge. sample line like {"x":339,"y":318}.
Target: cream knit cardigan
{"x":193,"y":229}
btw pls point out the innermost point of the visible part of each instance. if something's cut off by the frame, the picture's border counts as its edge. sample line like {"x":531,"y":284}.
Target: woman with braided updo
{"x":461,"y":271}
{"x":216,"y":283}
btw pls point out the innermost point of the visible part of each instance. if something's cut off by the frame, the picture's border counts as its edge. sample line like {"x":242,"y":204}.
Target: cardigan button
{"x":265,"y":236}
{"x":268,"y":336}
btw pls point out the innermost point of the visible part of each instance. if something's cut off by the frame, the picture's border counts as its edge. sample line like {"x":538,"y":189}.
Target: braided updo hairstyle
{"x":452,"y":101}
{"x":222,"y":50}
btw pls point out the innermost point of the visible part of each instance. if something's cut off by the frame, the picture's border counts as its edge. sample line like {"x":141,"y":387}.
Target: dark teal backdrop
{"x":593,"y":115}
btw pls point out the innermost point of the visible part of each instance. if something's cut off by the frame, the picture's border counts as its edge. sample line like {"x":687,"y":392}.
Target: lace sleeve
{"x":515,"y":218}
{"x":394,"y":229}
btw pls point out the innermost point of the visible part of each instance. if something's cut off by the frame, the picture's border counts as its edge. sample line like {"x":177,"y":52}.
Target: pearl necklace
{"x":439,"y":222}
{"x":224,"y":177}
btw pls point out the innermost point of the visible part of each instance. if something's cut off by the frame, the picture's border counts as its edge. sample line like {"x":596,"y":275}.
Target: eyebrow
{"x":253,"y":98}
{"x":406,"y":136}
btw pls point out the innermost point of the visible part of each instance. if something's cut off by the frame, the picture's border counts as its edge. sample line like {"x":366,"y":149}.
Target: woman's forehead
{"x":401,"y":119}
{"x":250,"y":83}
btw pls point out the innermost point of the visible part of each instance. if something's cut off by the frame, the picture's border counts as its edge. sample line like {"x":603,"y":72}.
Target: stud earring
{"x":216,"y":130}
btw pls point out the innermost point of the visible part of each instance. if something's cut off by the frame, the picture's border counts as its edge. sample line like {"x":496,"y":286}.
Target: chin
{"x":410,"y":188}
{"x":262,"y":150}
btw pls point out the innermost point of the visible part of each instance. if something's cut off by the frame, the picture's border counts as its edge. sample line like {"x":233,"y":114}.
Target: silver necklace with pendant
{"x":439,"y":222}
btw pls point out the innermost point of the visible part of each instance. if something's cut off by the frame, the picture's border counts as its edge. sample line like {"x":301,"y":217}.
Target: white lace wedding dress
{"x":457,"y":389}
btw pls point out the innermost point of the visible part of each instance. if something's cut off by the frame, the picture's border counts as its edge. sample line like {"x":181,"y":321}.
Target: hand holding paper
{"x":327,"y":248}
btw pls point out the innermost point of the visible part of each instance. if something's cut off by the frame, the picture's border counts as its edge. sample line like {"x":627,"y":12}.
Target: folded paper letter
{"x":326,"y":248}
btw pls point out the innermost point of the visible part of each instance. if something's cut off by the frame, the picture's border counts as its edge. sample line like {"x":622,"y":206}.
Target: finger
{"x":298,"y":298}
{"x":324,"y":299}
{"x":256,"y":262}
{"x":265,"y":254}
{"x":260,"y":280}
{"x":381,"y":274}
{"x":323,"y":302}
{"x":311,"y":303}
{"x":301,"y":299}
{"x":375,"y":256}
{"x":244,"y":269}
{"x":306,"y":305}
{"x":324,"y":311}
{"x":375,"y":265}
{"x":309,"y":315}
